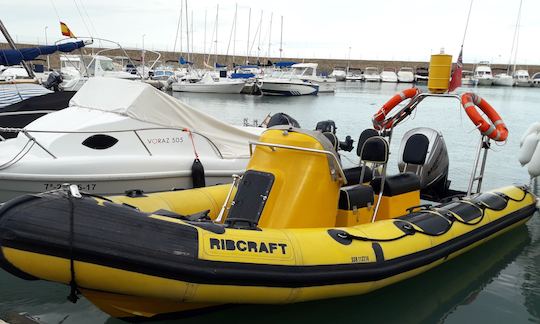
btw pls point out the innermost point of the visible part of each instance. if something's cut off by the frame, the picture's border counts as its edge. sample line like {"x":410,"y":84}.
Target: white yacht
{"x":483,"y":74}
{"x":308,"y":71}
{"x":118,"y":135}
{"x":371,"y":74}
{"x":405,"y":75}
{"x":339,"y":73}
{"x":389,"y":75}
{"x":76,"y":70}
{"x":522,"y":78}
{"x":503,"y":79}
{"x":209,"y":84}
{"x":284,"y":83}
{"x":354,"y":75}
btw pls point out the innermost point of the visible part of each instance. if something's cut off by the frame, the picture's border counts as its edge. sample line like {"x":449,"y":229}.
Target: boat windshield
{"x":302,"y":71}
{"x":107,"y":65}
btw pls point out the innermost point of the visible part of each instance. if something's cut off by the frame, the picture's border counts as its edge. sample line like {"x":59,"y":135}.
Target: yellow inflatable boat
{"x":292,"y":228}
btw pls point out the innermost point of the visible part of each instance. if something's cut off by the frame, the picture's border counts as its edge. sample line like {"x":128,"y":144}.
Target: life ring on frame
{"x":496,"y":129}
{"x":379,"y":119}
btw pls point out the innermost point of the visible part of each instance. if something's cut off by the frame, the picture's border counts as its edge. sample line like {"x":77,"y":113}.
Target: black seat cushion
{"x":366,"y":133}
{"x":353,"y":175}
{"x":375,"y":150}
{"x":397,"y":184}
{"x":357,"y":196}
{"x":415,"y":150}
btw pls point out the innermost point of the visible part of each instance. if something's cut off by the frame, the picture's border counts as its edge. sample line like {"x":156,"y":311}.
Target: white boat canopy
{"x":143,"y":102}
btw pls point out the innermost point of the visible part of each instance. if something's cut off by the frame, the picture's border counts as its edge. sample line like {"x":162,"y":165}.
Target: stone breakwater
{"x":325,"y":65}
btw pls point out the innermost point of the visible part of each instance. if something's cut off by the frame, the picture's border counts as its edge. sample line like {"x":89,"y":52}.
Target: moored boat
{"x":249,"y":242}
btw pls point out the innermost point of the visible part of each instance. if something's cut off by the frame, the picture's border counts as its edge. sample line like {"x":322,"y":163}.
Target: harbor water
{"x":498,"y":282}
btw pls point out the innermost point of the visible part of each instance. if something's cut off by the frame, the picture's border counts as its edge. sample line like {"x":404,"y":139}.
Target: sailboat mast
{"x":204,"y":42}
{"x":270,"y":35}
{"x":187,"y":33}
{"x":11,"y":43}
{"x":259,"y":30}
{"x":177,"y":27}
{"x":234,"y":35}
{"x":215,"y":49}
{"x":191,"y":34}
{"x":517,"y":36}
{"x":181,"y":26}
{"x":281,"y":40}
{"x":249,"y":27}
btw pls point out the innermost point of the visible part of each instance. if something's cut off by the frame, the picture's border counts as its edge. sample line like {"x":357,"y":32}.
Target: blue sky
{"x":383,"y":29}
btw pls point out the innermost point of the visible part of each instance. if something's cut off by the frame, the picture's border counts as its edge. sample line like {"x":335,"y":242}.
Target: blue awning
{"x":220,"y":65}
{"x":13,"y":57}
{"x":247,"y":66}
{"x":284,"y":64}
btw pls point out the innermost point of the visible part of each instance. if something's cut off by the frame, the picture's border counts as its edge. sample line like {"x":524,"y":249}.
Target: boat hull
{"x":272,"y":88}
{"x":204,"y":263}
{"x":485,"y":82}
{"x":503,"y":82}
{"x":225,"y":87}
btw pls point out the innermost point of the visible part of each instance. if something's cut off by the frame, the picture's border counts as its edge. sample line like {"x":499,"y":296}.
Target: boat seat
{"x":356,"y":196}
{"x":355,"y":205}
{"x":415,"y":151}
{"x":353,"y":174}
{"x":333,"y":139}
{"x":397,"y":184}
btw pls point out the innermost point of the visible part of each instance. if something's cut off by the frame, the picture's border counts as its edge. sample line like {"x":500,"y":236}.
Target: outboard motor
{"x":53,"y":81}
{"x":282,"y":119}
{"x":434,"y":173}
{"x":329,"y":126}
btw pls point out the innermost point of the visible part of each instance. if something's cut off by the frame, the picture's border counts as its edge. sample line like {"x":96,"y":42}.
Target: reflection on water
{"x":498,"y":282}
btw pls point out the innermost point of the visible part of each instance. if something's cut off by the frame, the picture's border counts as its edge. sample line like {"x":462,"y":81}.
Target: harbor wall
{"x":325,"y":65}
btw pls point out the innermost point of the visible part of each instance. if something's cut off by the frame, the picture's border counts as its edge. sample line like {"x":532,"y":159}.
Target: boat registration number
{"x":81,"y":186}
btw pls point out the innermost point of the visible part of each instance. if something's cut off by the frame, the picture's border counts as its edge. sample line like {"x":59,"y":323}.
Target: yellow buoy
{"x":440,"y":68}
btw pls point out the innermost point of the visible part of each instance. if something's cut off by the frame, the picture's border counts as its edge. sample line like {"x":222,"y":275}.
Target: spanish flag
{"x":65,"y":30}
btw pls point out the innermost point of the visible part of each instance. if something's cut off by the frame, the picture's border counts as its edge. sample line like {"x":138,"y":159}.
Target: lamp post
{"x":46,"y":43}
{"x":142,"y":57}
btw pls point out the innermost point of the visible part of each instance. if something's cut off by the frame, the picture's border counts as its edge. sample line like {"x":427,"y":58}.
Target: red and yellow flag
{"x":65,"y":30}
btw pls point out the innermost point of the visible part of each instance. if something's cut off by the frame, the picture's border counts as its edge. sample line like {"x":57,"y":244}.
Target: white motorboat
{"x":308,"y":71}
{"x":252,"y":75}
{"x":521,"y":78}
{"x":467,"y":78}
{"x":389,"y":75}
{"x":76,"y":70}
{"x":405,"y":75}
{"x":421,"y":74}
{"x":283,"y":83}
{"x":209,"y":84}
{"x":503,"y":79}
{"x":482,"y":72}
{"x":354,"y":75}
{"x":118,"y":135}
{"x":535,"y":80}
{"x":371,"y":74}
{"x":339,"y":74}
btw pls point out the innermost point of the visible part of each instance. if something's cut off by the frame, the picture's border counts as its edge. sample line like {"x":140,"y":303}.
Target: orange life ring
{"x":496,"y":129}
{"x":379,"y":119}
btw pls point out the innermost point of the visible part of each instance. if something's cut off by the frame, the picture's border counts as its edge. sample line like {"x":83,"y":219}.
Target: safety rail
{"x":305,"y":149}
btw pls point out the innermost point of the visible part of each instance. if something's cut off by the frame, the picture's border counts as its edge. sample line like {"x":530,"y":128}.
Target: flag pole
{"x":467,"y":24}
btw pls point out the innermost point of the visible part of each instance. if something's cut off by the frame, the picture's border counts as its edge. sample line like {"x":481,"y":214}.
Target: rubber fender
{"x":533,"y":128}
{"x":534,"y":165}
{"x":528,"y":147}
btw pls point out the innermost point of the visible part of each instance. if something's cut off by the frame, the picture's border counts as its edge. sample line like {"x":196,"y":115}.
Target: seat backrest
{"x":364,"y":136}
{"x":375,"y":150}
{"x":333,"y":139}
{"x":416,"y":149}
